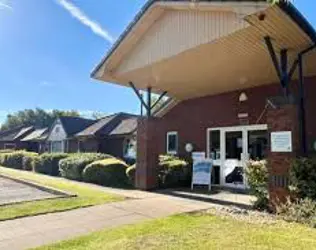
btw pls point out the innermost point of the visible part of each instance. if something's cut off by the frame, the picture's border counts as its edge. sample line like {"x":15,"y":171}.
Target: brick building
{"x":238,"y":75}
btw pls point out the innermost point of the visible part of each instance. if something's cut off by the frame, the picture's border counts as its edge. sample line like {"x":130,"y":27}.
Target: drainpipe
{"x":302,"y":104}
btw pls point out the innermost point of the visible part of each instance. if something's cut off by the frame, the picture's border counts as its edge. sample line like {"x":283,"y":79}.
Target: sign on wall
{"x":201,"y":173}
{"x":281,"y":142}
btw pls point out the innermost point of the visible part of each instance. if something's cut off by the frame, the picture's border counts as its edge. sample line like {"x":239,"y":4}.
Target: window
{"x":172,"y":143}
{"x":129,"y":148}
{"x":57,"y":129}
{"x":9,"y":146}
{"x":57,"y":147}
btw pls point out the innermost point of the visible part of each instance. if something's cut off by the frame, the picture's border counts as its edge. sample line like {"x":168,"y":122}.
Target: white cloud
{"x":5,"y":5}
{"x":45,"y":84}
{"x":85,"y":20}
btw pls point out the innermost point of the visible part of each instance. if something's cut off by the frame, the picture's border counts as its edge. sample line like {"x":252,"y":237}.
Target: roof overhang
{"x":235,"y":61}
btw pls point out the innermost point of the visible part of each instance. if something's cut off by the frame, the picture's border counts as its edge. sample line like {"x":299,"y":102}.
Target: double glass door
{"x":231,"y":148}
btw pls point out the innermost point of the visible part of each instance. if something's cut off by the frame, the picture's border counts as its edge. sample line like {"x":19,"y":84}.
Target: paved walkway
{"x":40,"y":230}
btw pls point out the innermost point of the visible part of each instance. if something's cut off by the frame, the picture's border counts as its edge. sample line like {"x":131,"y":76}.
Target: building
{"x":238,"y":74}
{"x":12,"y":138}
{"x":36,"y":140}
{"x":114,"y":134}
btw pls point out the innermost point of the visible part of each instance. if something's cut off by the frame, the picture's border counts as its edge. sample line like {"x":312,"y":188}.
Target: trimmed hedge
{"x":107,"y":172}
{"x":28,"y":160}
{"x":48,"y":163}
{"x":72,"y":167}
{"x":173,"y":172}
{"x":17,"y":160}
{"x":131,"y":174}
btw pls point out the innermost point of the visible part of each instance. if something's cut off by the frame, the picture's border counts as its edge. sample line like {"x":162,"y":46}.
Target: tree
{"x":38,"y":118}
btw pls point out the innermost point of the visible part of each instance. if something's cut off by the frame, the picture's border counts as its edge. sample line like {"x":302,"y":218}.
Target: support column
{"x":282,"y":118}
{"x":147,"y":153}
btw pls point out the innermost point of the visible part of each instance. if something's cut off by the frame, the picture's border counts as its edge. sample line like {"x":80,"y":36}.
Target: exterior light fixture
{"x":243,"y":97}
{"x":189,"y":147}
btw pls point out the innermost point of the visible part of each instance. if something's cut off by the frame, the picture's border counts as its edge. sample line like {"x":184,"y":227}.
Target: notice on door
{"x":281,"y":142}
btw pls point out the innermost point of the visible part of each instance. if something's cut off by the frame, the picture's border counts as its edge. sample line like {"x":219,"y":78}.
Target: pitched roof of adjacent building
{"x":73,"y":125}
{"x":15,"y":133}
{"x":117,"y":124}
{"x":37,"y":135}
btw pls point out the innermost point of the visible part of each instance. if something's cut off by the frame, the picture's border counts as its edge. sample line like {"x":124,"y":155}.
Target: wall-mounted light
{"x":189,"y":147}
{"x":243,"y":97}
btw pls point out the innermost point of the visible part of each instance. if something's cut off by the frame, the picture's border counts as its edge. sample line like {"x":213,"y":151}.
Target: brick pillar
{"x":284,"y":118}
{"x":147,"y":154}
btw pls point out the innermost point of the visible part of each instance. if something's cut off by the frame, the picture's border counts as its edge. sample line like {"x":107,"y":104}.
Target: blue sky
{"x":49,"y":47}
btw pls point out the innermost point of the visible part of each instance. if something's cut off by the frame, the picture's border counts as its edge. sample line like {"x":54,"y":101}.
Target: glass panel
{"x":234,"y":145}
{"x":257,"y":144}
{"x":172,"y":143}
{"x":215,"y":145}
{"x":216,"y":175}
{"x":233,"y":170}
{"x":57,"y":146}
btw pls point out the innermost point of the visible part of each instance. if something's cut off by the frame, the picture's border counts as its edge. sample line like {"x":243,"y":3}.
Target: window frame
{"x":172,"y":133}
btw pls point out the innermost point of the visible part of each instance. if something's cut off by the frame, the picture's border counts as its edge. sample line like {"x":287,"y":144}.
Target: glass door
{"x":233,"y":164}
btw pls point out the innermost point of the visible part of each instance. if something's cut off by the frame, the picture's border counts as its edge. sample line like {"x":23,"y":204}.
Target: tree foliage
{"x":34,"y":117}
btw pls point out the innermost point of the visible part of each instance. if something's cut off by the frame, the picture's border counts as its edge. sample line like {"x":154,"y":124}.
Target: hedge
{"x":173,"y":172}
{"x":72,"y":167}
{"x":131,"y":174}
{"x":48,"y":163}
{"x":18,"y":159}
{"x":107,"y":172}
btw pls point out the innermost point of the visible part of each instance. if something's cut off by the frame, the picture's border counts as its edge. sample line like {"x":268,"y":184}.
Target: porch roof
{"x":235,"y":61}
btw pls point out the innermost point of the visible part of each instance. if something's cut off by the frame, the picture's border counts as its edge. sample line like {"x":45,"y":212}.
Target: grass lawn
{"x":196,"y":232}
{"x":86,"y":196}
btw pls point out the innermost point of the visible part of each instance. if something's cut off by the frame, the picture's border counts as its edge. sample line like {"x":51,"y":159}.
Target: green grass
{"x":195,"y":232}
{"x":86,"y":196}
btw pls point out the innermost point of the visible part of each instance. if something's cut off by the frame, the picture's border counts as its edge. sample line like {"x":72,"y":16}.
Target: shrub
{"x":13,"y":159}
{"x":107,"y":172}
{"x":300,"y":210}
{"x":4,"y":151}
{"x":303,"y":178}
{"x":257,"y":176}
{"x":48,"y":163}
{"x":72,"y":167}
{"x":28,"y":160}
{"x":130,"y":173}
{"x":173,"y":172}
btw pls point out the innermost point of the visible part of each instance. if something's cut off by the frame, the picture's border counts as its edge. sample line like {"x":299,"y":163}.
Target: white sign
{"x":201,"y":174}
{"x":281,"y":142}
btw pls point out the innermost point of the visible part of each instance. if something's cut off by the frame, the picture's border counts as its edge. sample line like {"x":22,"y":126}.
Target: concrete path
{"x":40,"y":230}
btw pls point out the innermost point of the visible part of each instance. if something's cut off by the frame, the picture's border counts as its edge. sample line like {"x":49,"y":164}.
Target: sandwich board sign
{"x":201,"y":172}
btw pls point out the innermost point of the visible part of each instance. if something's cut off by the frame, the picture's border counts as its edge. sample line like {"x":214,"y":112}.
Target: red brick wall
{"x":191,"y":118}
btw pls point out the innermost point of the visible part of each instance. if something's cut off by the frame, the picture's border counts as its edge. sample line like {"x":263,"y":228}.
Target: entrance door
{"x":233,"y":164}
{"x":231,"y":148}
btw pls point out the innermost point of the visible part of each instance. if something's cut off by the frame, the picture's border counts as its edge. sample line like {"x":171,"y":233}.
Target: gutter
{"x":298,"y":18}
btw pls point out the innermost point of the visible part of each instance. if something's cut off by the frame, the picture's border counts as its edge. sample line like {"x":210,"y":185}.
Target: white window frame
{"x":172,"y":133}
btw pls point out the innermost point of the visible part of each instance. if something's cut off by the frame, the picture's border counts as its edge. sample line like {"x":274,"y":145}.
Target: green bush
{"x":303,"y":178}
{"x":107,"y":172}
{"x":130,"y":173}
{"x":5,"y":151}
{"x":13,"y":159}
{"x":28,"y":160}
{"x":173,"y":172}
{"x":48,"y":163}
{"x":257,"y":176}
{"x":72,"y":167}
{"x":301,"y":211}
